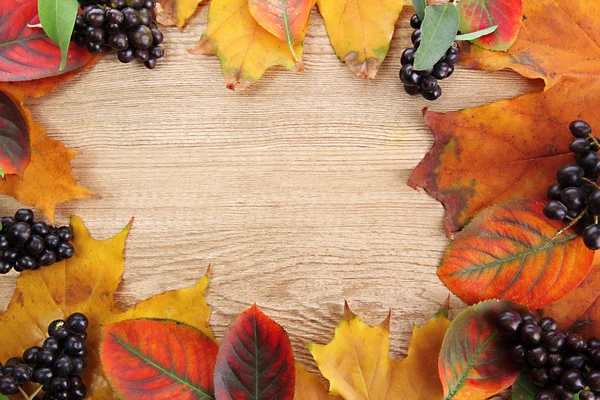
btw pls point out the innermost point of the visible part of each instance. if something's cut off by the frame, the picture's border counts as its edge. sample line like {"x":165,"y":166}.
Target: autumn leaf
{"x":246,"y":49}
{"x":286,"y":19}
{"x":510,"y":251}
{"x":86,"y":283}
{"x":512,"y":149}
{"x":27,"y":53}
{"x":158,"y":359}
{"x":176,"y":12}
{"x":358,"y":367}
{"x":480,"y":14}
{"x":474,"y":362}
{"x":15,"y":149}
{"x":310,"y":387}
{"x":360,"y":31}
{"x":255,"y":360}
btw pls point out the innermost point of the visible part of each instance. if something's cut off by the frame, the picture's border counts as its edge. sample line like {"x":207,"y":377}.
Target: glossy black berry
{"x":22,"y":373}
{"x":47,"y":258}
{"x":126,"y":56}
{"x":428,"y":83}
{"x":5,"y":267}
{"x":415,"y":22}
{"x":416,"y":36}
{"x":555,"y":372}
{"x":588,"y":161}
{"x":508,"y":322}
{"x":408,"y":57}
{"x":35,"y":245}
{"x":114,"y":16}
{"x":59,"y":384}
{"x":150,"y":63}
{"x":65,"y":251}
{"x":42,"y":375}
{"x":77,"y":323}
{"x":517,"y":353}
{"x":145,"y":16}
{"x":593,"y":380}
{"x":548,"y":324}
{"x":95,"y":35}
{"x":118,"y":4}
{"x":157,"y":36}
{"x":556,"y":210}
{"x":95,"y":16}
{"x":79,"y":365}
{"x":580,"y":129}
{"x":441,"y":70}
{"x":3,"y":242}
{"x":156,"y":52}
{"x":432,"y":95}
{"x":149,"y":4}
{"x":539,"y":376}
{"x":575,"y":343}
{"x":591,"y":237}
{"x":587,"y":395}
{"x":24,"y":215}
{"x":51,"y":241}
{"x":63,"y":365}
{"x":30,"y":355}
{"x":572,"y":380}
{"x":579,"y":146}
{"x":18,"y":234}
{"x":142,"y":54}
{"x":7,"y":222}
{"x":537,"y":356}
{"x":73,"y":345}
{"x":530,"y":334}
{"x":545,"y":395}
{"x":10,"y":255}
{"x":118,"y":41}
{"x":51,"y":344}
{"x":140,"y":37}
{"x":79,"y":392}
{"x":573,"y":198}
{"x":574,"y":361}
{"x":131,"y":17}
{"x":570,"y":175}
{"x":64,"y":233}
{"x":8,"y":385}
{"x":408,"y":76}
{"x":45,"y":358}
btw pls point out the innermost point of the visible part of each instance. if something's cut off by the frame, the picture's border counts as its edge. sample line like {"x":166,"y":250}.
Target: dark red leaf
{"x":15,"y":149}
{"x":255,"y":360}
{"x":27,"y":53}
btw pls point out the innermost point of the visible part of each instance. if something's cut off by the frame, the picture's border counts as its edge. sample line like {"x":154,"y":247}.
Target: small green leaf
{"x":438,"y":32}
{"x":524,"y":389}
{"x":419,"y":6}
{"x":58,"y":20}
{"x":3,"y":397}
{"x":477,"y":34}
{"x":1,"y":175}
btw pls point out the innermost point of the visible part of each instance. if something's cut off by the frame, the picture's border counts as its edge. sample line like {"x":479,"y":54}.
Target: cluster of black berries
{"x":425,"y":82}
{"x":562,"y":363}
{"x":128,"y":26}
{"x":56,"y":365}
{"x":25,"y":244}
{"x":576,"y":196}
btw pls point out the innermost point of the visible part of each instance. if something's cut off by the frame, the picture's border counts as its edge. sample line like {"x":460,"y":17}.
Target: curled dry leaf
{"x":158,"y":359}
{"x":512,"y":149}
{"x":176,"y":12}
{"x":474,"y":361}
{"x":360,"y":31}
{"x":481,"y":14}
{"x":255,"y":360}
{"x":15,"y":148}
{"x":86,"y":283}
{"x":357,"y":364}
{"x":510,"y":251}
{"x":246,"y":49}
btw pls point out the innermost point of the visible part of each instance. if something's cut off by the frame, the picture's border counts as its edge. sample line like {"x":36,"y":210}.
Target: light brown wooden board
{"x":294,"y":191}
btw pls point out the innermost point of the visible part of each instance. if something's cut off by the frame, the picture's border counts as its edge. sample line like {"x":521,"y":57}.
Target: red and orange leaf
{"x":474,"y":363}
{"x":27,"y":53}
{"x":158,"y":359}
{"x":255,"y":360}
{"x":509,"y":252}
{"x":15,"y":149}
{"x":480,"y":14}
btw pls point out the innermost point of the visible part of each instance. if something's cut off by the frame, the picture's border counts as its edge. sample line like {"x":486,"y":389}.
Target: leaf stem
{"x":288,"y":34}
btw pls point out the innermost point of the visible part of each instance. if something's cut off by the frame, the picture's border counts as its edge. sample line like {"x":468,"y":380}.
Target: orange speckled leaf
{"x":508,"y":252}
{"x":158,"y":359}
{"x":175,"y":12}
{"x":86,"y":283}
{"x":286,"y":19}
{"x":474,"y":361}
{"x":480,"y":14}
{"x":245,"y":48}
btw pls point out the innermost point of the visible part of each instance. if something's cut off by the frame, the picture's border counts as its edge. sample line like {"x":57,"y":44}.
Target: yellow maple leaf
{"x":310,"y":387}
{"x":86,"y":283}
{"x":175,"y":12}
{"x":246,"y":49}
{"x":360,"y":31}
{"x":358,"y":367}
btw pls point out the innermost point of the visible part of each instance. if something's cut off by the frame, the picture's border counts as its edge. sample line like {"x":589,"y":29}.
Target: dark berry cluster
{"x":56,"y":365}
{"x":26,"y":244}
{"x":576,"y":196}
{"x":563,"y":364}
{"x":128,"y":26}
{"x":425,"y":82}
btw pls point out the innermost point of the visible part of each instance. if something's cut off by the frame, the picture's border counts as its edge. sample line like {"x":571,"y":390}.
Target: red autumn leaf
{"x":509,"y":252}
{"x":474,"y":363}
{"x":15,"y":148}
{"x":480,"y":14}
{"x":255,"y":360}
{"x":27,"y":53}
{"x":158,"y":359}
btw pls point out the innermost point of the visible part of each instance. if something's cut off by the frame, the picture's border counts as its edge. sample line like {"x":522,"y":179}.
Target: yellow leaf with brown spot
{"x":310,"y":387}
{"x":246,"y":49}
{"x":86,"y":283}
{"x":357,"y":364}
{"x":175,"y":12}
{"x":360,"y":31}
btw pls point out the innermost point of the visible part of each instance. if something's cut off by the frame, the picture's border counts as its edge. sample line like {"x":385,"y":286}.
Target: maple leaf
{"x":310,"y":387}
{"x":86,"y":283}
{"x":361,"y":31}
{"x":357,"y":364}
{"x":512,"y":149}
{"x":175,"y":12}
{"x":245,"y":48}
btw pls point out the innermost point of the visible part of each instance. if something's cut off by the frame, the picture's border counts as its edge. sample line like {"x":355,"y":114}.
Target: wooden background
{"x":294,"y":191}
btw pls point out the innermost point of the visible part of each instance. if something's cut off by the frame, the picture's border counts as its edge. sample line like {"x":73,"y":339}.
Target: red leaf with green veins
{"x":474,"y":360}
{"x":158,"y":359}
{"x":15,"y":148}
{"x":255,"y":360}
{"x":480,"y":14}
{"x":27,"y":53}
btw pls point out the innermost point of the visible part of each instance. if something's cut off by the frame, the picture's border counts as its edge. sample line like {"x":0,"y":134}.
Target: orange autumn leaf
{"x":358,"y":367}
{"x":86,"y":283}
{"x":512,"y":149}
{"x":310,"y":387}
{"x":175,"y":12}
{"x":246,"y":49}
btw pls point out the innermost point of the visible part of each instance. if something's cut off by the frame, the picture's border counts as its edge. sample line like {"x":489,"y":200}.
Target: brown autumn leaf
{"x":87,"y":283}
{"x":512,"y":149}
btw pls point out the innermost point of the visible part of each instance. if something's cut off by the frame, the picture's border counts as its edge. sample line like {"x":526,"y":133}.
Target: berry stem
{"x":591,"y":182}
{"x":593,"y":139}
{"x":570,"y":225}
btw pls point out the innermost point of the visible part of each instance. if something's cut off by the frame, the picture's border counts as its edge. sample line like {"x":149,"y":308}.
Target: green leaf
{"x":419,"y":6}
{"x":476,"y":34}
{"x":3,"y":397}
{"x":437,"y":34}
{"x":58,"y":20}
{"x":524,"y":389}
{"x":1,"y":175}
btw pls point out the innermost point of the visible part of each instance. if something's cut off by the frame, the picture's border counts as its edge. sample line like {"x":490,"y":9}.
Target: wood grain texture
{"x":294,"y":191}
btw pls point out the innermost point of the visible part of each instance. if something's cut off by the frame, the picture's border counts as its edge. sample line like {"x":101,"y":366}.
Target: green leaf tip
{"x":57,"y":18}
{"x":477,"y":34}
{"x":438,"y":32}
